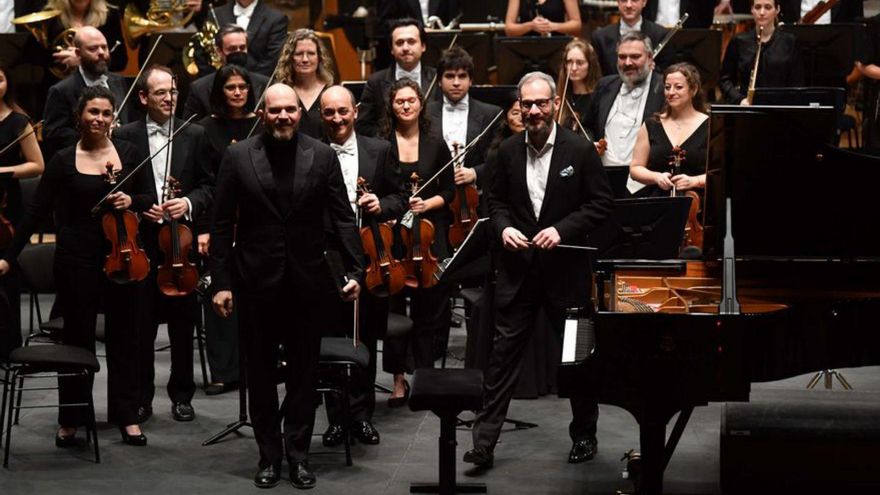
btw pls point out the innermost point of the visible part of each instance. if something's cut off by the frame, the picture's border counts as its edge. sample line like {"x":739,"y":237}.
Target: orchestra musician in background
{"x":578,"y":81}
{"x":542,"y":18}
{"x":844,"y":11}
{"x":266,"y":31}
{"x":607,"y":39}
{"x":305,"y":66}
{"x":99,"y":14}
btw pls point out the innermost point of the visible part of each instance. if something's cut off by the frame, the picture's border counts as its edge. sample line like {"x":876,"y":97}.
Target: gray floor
{"x":529,"y":461}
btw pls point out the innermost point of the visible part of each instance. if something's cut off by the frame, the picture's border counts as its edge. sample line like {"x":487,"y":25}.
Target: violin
{"x":420,"y":263}
{"x":177,"y":276}
{"x":693,"y":230}
{"x":386,"y":276}
{"x":127,"y":261}
{"x":463,"y":206}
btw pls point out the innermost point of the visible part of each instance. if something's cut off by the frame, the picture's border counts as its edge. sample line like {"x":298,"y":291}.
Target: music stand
{"x":482,"y":11}
{"x":827,"y":51}
{"x":496,"y":95}
{"x":471,"y":259}
{"x":700,"y":48}
{"x":476,"y":44}
{"x":643,"y":228}
{"x":518,"y":55}
{"x":618,"y":177}
{"x":804,"y":97}
{"x":356,"y":87}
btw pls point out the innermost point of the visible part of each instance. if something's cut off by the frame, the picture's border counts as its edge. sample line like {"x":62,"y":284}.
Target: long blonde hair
{"x":286,"y":72}
{"x":96,"y":15}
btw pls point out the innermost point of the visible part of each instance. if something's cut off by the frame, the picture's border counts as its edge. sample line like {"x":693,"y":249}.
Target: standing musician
{"x":91,"y":47}
{"x":76,"y":14}
{"x":606,"y":39}
{"x":190,"y":164}
{"x":407,"y":46}
{"x":370,"y":158}
{"x":74,"y":181}
{"x":549,"y":188}
{"x":668,"y":12}
{"x":305,"y":66}
{"x":266,"y":31}
{"x":869,"y":66}
{"x":542,"y":18}
{"x":460,"y":118}
{"x":844,"y":11}
{"x":780,"y":64}
{"x":273,"y":194}
{"x":419,"y":150}
{"x":232,"y":45}
{"x":581,"y":77}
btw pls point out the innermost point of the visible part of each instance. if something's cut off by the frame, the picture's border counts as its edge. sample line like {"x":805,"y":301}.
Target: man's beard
{"x":277,"y":134}
{"x":540,"y":131}
{"x":636,"y":80}
{"x":95,"y":69}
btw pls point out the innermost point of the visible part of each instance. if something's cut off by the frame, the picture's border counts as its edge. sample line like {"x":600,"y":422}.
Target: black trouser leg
{"x":122,"y":318}
{"x":221,"y":339}
{"x":181,"y":313}
{"x":431,"y":316}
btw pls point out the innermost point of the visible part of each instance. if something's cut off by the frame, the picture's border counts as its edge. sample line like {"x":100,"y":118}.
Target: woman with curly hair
{"x":305,"y":66}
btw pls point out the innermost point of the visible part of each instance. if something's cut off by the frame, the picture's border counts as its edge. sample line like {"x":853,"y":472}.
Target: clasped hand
{"x":176,"y":208}
{"x":682,"y":182}
{"x":514,"y":240}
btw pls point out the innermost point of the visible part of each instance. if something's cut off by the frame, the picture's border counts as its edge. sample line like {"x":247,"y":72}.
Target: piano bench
{"x":447,"y":392}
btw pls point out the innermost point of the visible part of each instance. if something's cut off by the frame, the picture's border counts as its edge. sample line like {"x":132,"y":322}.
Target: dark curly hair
{"x":218,"y":97}
{"x":389,"y":122}
{"x":93,"y":93}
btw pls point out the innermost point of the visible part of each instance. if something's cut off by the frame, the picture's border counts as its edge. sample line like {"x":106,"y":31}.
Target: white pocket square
{"x":567,"y":171}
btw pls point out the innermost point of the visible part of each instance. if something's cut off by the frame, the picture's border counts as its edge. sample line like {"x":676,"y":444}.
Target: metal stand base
{"x":829,"y":376}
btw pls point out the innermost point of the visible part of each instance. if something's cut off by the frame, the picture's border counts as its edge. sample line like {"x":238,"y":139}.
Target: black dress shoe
{"x":267,"y":477}
{"x":400,"y":401}
{"x":333,"y":436}
{"x":301,"y":476}
{"x":365,"y":433}
{"x":183,"y":411}
{"x":583,"y":450}
{"x":144,"y":413}
{"x":139,"y":440}
{"x":481,"y":456}
{"x":220,"y":388}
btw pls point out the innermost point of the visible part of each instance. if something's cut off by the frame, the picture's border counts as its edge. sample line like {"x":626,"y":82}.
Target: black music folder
{"x":472,"y":258}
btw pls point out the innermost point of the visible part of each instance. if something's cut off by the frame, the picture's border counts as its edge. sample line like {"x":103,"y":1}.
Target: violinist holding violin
{"x":190,"y":164}
{"x":74,"y":182}
{"x":370,"y":159}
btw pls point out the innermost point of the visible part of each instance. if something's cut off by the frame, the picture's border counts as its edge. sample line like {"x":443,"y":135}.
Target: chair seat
{"x":398,"y":326}
{"x":451,"y":390}
{"x":54,"y":355}
{"x":341,"y":349}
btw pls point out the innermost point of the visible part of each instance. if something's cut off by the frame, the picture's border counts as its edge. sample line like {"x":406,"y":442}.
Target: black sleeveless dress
{"x":695,"y":153}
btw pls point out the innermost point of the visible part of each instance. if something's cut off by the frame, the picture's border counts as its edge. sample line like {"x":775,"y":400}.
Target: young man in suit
{"x":370,"y":158}
{"x":276,"y":192}
{"x":232,"y":45}
{"x":549,"y":189}
{"x":389,"y":10}
{"x":190,"y":164}
{"x":407,"y":48}
{"x":266,"y":31}
{"x":58,"y":129}
{"x":605,"y":40}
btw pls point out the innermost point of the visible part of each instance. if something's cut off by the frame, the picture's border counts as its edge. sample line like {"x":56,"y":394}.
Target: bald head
{"x":282,"y":113}
{"x":91,"y":48}
{"x":338,"y":113}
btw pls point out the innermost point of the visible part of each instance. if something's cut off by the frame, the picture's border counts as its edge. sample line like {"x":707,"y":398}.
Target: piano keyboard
{"x":578,"y":341}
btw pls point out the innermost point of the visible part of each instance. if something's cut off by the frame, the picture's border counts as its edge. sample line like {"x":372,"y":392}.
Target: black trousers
{"x":181,"y":314}
{"x":81,"y":288}
{"x":514,"y":325}
{"x":221,"y":341}
{"x":431,"y":314}
{"x":288,"y":320}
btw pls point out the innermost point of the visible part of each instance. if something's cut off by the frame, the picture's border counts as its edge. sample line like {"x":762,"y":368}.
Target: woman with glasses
{"x":305,"y":66}
{"x":578,"y":82}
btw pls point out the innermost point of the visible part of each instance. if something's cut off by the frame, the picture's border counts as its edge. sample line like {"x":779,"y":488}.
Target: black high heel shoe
{"x":400,"y":401}
{"x":139,"y":440}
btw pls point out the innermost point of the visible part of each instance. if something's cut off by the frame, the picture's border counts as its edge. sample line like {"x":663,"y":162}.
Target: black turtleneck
{"x":282,"y":159}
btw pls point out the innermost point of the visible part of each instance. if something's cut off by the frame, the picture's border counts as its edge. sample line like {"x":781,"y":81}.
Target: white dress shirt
{"x":624,"y":120}
{"x":538,"y":168}
{"x":455,"y":118}
{"x":348,"y":159}
{"x":243,"y":14}
{"x":157,"y":135}
{"x":425,"y":12}
{"x":668,"y":12}
{"x":626,"y":28}
{"x":7,"y":13}
{"x":808,"y":5}
{"x":415,"y":74}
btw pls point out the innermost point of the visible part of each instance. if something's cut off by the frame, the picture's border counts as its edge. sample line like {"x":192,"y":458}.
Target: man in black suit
{"x":370,"y":158}
{"x":58,"y":127}
{"x":389,"y":10}
{"x":407,"y":47}
{"x":668,"y":12}
{"x":605,"y":40}
{"x":232,"y":45}
{"x":549,"y":189}
{"x":190,"y":164}
{"x":844,"y":11}
{"x":266,"y":31}
{"x":273,"y":194}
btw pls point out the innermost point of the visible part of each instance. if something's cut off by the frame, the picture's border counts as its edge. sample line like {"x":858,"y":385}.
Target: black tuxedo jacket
{"x":577,"y":200}
{"x":272,"y":249}
{"x":480,"y":115}
{"x":374,"y":99}
{"x":58,"y":126}
{"x":191,"y":161}
{"x":701,"y":12}
{"x":845,"y":11}
{"x":199,"y":100}
{"x":377,"y":165}
{"x":604,"y":96}
{"x":605,"y":42}
{"x":266,"y":33}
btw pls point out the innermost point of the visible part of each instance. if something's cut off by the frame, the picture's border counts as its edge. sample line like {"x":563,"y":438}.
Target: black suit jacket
{"x":377,"y":165}
{"x":605,"y":42}
{"x":604,"y":96}
{"x":266,"y":33}
{"x":480,"y":115}
{"x":199,"y":99}
{"x":845,"y":11}
{"x":577,"y":200}
{"x":58,"y":129}
{"x":272,"y":249}
{"x":700,"y":12}
{"x":374,"y":99}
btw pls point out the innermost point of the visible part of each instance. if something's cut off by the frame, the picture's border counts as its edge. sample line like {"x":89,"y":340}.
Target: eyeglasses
{"x":162,"y":93}
{"x":543,"y":104}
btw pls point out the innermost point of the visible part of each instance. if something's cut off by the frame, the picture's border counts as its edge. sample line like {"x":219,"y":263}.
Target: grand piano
{"x":788,"y":283}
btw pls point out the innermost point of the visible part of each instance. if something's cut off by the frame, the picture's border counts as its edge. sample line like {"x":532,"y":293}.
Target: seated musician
{"x":780,"y":64}
{"x":582,"y":77}
{"x":305,"y":66}
{"x":232,"y":45}
{"x":668,"y":12}
{"x":531,"y":18}
{"x":388,"y":11}
{"x":606,"y":39}
{"x":266,"y":28}
{"x":13,"y":10}
{"x":682,"y":124}
{"x":843,"y":11}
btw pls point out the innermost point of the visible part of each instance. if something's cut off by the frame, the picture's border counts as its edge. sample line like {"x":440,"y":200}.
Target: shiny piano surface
{"x":807,"y":277}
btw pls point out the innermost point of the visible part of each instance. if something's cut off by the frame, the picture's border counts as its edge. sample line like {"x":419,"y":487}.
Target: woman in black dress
{"x":74,"y":181}
{"x":683,"y":125}
{"x":418,"y":150}
{"x":582,"y":76}
{"x":304,"y":65}
{"x":542,"y":18}
{"x":780,"y":65}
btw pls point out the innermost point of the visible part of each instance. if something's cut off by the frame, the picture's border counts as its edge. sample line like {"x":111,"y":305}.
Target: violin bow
{"x":21,"y":137}
{"x":136,"y":78}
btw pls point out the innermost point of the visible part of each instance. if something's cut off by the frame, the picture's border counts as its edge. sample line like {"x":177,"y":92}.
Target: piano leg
{"x":657,"y":450}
